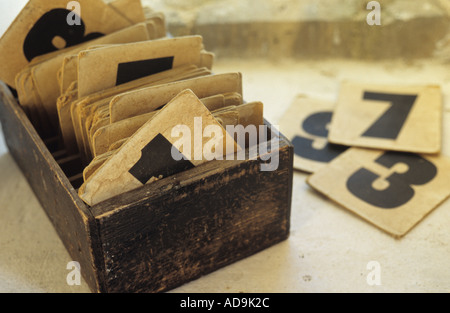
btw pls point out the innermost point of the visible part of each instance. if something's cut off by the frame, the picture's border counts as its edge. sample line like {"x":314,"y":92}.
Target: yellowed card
{"x":159,"y":20}
{"x":306,"y":124}
{"x":105,"y":134}
{"x":207,"y":59}
{"x":65,"y":120}
{"x":42,"y":27}
{"x":117,"y":65}
{"x":84,"y":109}
{"x":233,"y":98}
{"x":69,"y":72}
{"x":148,"y":155}
{"x":75,"y":107}
{"x":399,"y":118}
{"x":132,"y":10}
{"x":44,"y":73}
{"x":146,"y":100}
{"x":225,"y":116}
{"x":392,"y":190}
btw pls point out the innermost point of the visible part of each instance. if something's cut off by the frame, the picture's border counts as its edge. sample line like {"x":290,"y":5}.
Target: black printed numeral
{"x":399,"y":191}
{"x":130,"y":71}
{"x":53,"y":24}
{"x":389,"y":125}
{"x":316,"y":125}
{"x":156,"y":160}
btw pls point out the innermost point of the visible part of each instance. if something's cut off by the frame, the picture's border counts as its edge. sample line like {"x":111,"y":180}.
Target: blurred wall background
{"x":274,"y":29}
{"x":313,"y":28}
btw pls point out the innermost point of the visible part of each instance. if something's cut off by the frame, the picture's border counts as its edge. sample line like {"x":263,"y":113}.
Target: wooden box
{"x":162,"y":235}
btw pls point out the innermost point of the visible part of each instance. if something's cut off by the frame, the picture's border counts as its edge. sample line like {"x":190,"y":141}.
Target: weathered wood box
{"x":165,"y":234}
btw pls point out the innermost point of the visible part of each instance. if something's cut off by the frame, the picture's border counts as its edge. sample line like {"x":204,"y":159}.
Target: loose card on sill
{"x":399,"y":118}
{"x":306,"y":124}
{"x":392,"y":190}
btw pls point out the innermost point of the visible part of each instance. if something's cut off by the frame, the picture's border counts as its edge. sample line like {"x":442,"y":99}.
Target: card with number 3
{"x":392,"y":190}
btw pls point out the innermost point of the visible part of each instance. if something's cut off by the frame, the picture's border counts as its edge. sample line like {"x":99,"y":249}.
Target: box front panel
{"x":196,"y":227}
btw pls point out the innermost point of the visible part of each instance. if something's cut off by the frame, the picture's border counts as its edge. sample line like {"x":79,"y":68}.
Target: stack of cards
{"x":133,"y":104}
{"x":376,"y":151}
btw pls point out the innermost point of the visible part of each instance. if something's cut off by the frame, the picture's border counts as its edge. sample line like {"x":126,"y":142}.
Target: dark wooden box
{"x":162,"y":235}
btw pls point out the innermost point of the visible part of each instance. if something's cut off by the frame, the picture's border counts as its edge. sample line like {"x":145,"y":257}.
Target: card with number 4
{"x":392,"y":190}
{"x":398,"y":118}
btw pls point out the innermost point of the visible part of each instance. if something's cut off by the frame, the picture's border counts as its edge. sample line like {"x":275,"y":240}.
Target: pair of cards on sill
{"x":118,"y":92}
{"x":376,"y":152}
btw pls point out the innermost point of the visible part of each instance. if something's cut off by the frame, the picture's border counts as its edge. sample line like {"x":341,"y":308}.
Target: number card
{"x":132,"y":10}
{"x":148,"y":154}
{"x":306,"y":125}
{"x":119,"y":64}
{"x":392,"y":190}
{"x":42,"y":28}
{"x":406,"y":118}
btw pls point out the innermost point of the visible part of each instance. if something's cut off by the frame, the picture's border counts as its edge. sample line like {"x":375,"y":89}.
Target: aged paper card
{"x":392,"y":190}
{"x":400,"y":118}
{"x":147,"y":155}
{"x":306,"y":124}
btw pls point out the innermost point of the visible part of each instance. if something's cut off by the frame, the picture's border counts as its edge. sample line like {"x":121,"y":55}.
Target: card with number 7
{"x":398,"y":118}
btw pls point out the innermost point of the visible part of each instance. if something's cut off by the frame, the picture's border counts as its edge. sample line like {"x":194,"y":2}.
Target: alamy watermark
{"x":74,"y":276}
{"x":374,"y":17}
{"x":74,"y":17}
{"x":261,"y":146}
{"x":374,"y":276}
